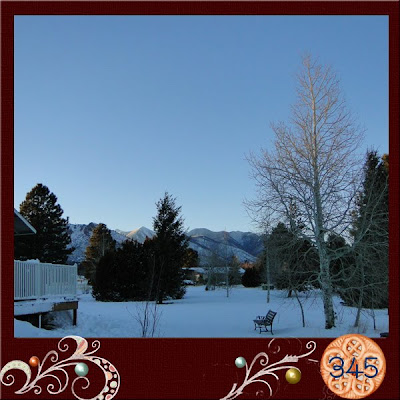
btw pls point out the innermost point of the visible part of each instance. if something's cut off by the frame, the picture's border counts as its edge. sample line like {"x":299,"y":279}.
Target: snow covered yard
{"x":211,"y":314}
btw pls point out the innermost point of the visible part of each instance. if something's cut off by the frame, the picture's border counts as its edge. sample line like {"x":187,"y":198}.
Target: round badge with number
{"x":353,"y":366}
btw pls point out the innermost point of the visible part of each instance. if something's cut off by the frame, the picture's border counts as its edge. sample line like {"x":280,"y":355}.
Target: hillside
{"x":244,"y":245}
{"x":80,"y":236}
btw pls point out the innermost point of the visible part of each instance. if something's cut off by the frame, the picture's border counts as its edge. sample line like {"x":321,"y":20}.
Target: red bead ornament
{"x":34,"y":361}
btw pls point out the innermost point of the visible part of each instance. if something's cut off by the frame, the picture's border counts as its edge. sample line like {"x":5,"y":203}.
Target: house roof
{"x":21,"y":225}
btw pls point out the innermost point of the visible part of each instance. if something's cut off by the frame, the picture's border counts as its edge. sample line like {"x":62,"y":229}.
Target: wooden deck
{"x":43,"y":306}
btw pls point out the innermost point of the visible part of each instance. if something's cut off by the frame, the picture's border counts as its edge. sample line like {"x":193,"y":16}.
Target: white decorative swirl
{"x":111,"y":374}
{"x":276,"y":348}
{"x":268,"y":370}
{"x":83,"y":387}
{"x":16,"y":364}
{"x":328,"y":394}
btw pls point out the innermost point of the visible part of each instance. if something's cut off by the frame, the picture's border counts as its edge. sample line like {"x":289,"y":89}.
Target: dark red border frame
{"x":190,"y":368}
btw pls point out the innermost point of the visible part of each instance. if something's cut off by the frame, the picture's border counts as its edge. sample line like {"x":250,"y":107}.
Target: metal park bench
{"x":265,"y":286}
{"x":263,"y":322}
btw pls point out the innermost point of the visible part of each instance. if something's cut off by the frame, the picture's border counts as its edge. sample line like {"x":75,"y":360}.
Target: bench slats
{"x":263,"y":322}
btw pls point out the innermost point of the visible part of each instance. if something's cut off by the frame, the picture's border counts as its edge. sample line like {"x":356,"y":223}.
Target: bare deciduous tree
{"x":314,"y":165}
{"x":219,"y":267}
{"x":148,"y":316}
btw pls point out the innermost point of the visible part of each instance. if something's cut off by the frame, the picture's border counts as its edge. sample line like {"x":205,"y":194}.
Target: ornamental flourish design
{"x":57,"y":371}
{"x":262,"y":359}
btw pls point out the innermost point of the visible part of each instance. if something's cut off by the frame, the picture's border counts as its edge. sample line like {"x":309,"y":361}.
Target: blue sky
{"x":112,"y":111}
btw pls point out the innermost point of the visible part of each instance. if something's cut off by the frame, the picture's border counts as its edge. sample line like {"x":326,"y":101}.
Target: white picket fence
{"x":33,"y":280}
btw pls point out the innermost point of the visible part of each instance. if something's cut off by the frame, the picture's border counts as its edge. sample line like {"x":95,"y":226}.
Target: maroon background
{"x":189,"y":368}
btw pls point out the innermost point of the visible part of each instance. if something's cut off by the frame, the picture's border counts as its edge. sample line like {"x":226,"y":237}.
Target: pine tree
{"x":105,"y":286}
{"x":294,"y":260}
{"x":251,"y":277}
{"x":191,"y":259}
{"x":371,"y":234}
{"x":170,"y":245}
{"x":50,"y":244}
{"x":123,"y":274}
{"x":134,"y":271}
{"x":342,"y":268}
{"x":100,"y":242}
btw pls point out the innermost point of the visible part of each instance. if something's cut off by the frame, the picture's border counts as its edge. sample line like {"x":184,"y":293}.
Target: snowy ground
{"x":210,"y":314}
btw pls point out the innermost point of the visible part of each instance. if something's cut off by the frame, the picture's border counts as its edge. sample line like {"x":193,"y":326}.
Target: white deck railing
{"x":33,"y":280}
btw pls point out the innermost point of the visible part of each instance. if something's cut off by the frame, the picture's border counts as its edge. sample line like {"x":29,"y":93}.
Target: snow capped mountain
{"x":247,"y":241}
{"x":122,"y":232}
{"x":140,"y":234}
{"x":204,"y":232}
{"x":206,"y":247}
{"x":80,"y":236}
{"x":246,"y":246}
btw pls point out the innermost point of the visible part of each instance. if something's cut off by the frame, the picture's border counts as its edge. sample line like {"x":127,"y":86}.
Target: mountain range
{"x":246,"y":246}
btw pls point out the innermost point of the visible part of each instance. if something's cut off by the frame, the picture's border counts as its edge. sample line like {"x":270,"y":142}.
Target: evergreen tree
{"x":278,"y":244}
{"x":251,"y":277}
{"x":341,"y":268}
{"x":134,"y":271}
{"x":369,"y":287}
{"x":170,"y":245}
{"x":50,"y":244}
{"x":294,"y":260}
{"x":100,"y":242}
{"x":123,"y":274}
{"x":191,"y":259}
{"x":105,"y":287}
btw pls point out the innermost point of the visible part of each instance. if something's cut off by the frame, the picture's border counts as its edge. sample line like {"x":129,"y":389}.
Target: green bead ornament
{"x":240,"y":362}
{"x":81,"y":369}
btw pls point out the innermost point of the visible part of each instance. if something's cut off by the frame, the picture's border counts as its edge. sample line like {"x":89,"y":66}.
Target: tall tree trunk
{"x":325,"y":277}
{"x":226,"y":264}
{"x":301,"y":308}
{"x":326,"y":283}
{"x":360,"y":266}
{"x":326,"y":286}
{"x":268,"y":273}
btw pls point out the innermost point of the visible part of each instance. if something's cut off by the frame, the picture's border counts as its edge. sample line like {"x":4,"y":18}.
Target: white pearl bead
{"x":240,"y":362}
{"x":81,"y":369}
